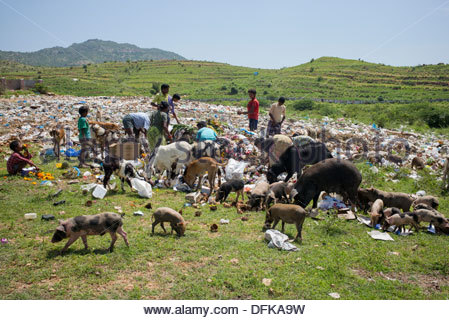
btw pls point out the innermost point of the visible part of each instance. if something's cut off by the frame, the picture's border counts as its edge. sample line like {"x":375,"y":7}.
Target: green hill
{"x":90,"y":51}
{"x":324,"y":78}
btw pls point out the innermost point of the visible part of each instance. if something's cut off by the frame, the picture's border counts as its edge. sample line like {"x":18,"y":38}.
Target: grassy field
{"x":336,"y":255}
{"x":330,"y":78}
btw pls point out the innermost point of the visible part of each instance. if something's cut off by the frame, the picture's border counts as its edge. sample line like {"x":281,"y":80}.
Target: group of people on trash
{"x":153,"y":125}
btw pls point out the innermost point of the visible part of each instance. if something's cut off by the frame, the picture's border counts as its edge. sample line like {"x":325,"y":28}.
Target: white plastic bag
{"x":235,"y":169}
{"x":142,"y":187}
{"x":278,"y":240}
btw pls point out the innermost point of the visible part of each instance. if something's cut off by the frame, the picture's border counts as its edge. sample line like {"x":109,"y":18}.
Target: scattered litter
{"x":57,"y":193}
{"x":48,"y":217}
{"x":214,"y":228}
{"x":30,"y":216}
{"x":138,"y":213}
{"x":142,"y":187}
{"x":334,"y":295}
{"x":278,"y":240}
{"x":193,"y":197}
{"x":224,"y":221}
{"x":59,"y":203}
{"x":198,"y":213}
{"x":266,"y":282}
{"x":329,"y":202}
{"x":213,"y":207}
{"x":88,"y":203}
{"x":421,"y":193}
{"x":99,"y":192}
{"x":375,"y":234}
{"x":234,"y":169}
{"x":4,"y":241}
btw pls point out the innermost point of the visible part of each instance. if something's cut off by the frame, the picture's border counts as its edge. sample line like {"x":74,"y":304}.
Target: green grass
{"x":336,"y":255}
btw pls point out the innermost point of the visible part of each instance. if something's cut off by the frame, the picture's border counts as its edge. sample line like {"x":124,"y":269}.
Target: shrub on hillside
{"x":41,"y":88}
{"x":233,"y":91}
{"x":305,"y":104}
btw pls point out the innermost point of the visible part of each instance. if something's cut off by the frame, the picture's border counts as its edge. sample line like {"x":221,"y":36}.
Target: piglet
{"x":83,"y":226}
{"x":176,"y":220}
{"x":288,"y":213}
{"x":376,"y":212}
{"x":400,"y":220}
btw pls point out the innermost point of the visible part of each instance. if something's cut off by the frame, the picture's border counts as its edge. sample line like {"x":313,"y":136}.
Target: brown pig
{"x":430,"y":201}
{"x":176,"y":220}
{"x":288,"y":213}
{"x":83,"y":226}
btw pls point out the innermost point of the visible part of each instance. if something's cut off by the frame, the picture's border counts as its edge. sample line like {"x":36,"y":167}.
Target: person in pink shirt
{"x":252,"y":110}
{"x":18,"y":161}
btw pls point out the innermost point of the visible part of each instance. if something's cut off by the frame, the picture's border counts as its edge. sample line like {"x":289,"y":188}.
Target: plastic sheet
{"x":278,"y":240}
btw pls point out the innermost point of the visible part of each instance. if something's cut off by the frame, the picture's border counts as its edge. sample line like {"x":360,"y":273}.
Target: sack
{"x":235,"y":169}
{"x":142,"y":187}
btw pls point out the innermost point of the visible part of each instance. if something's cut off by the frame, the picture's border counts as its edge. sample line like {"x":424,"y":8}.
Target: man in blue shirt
{"x":171,"y":101}
{"x":205,"y":133}
{"x":135,"y":123}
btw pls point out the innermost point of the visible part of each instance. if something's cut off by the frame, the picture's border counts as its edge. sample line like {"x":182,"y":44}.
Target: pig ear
{"x":61,"y":228}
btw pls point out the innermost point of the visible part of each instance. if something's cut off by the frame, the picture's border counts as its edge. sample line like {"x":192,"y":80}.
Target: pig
{"x":391,"y":199}
{"x":376,"y":212}
{"x":402,"y":219}
{"x":431,"y":201}
{"x":258,"y":195}
{"x":226,"y":188}
{"x":418,"y":163}
{"x":293,"y":159}
{"x":430,"y":215}
{"x":288,"y":213}
{"x":175,"y":219}
{"x":330,"y":175}
{"x":277,"y":192}
{"x":83,"y":226}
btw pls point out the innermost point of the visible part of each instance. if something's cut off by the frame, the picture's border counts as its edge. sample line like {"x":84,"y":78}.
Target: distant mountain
{"x":90,"y":51}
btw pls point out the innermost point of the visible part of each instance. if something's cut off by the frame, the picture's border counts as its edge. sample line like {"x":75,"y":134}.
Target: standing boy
{"x":161,"y":96}
{"x":84,"y":135}
{"x":252,"y":110}
{"x":277,"y":117}
{"x":158,"y":126}
{"x":171,"y":101}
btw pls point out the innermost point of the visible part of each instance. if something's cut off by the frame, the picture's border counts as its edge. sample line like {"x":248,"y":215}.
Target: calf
{"x":83,"y":226}
{"x":228,"y":187}
{"x":175,"y":219}
{"x":288,"y":213}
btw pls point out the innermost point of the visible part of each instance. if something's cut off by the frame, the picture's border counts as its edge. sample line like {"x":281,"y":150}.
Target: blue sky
{"x":265,"y":34}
